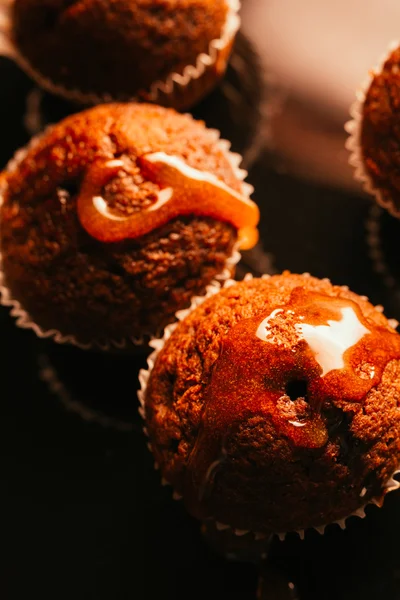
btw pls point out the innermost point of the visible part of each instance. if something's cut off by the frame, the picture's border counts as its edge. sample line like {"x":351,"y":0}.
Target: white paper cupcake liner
{"x":23,"y":318}
{"x":158,"y":344}
{"x":178,"y":90}
{"x":354,"y":127}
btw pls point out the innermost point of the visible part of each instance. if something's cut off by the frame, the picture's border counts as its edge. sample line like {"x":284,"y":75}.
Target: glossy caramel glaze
{"x":183,"y":191}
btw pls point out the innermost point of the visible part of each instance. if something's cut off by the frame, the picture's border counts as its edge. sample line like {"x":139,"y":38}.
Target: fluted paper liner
{"x":178,"y":90}
{"x":158,"y":345}
{"x":23,"y":318}
{"x":354,"y":127}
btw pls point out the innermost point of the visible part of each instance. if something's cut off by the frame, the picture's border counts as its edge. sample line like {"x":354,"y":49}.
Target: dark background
{"x":83,"y":514}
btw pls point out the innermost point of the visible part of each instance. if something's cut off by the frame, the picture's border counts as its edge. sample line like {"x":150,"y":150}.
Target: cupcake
{"x":374,"y":142}
{"x":274,"y":405}
{"x":170,"y":52}
{"x":115,"y":218}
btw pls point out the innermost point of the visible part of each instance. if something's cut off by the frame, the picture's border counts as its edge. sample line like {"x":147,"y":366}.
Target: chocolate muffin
{"x":274,"y":405}
{"x":120,"y":48}
{"x":116,"y":217}
{"x":380,"y":123}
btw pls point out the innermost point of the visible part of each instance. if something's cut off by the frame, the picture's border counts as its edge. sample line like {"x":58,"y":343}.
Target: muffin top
{"x":264,"y":379}
{"x":379,"y":138}
{"x":114,"y":218}
{"x":131,"y":169}
{"x":114,"y":46}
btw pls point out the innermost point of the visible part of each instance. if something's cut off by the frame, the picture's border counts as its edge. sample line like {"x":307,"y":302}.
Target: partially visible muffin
{"x":275,"y":405}
{"x":379,"y":133}
{"x":117,"y":47}
{"x":69,"y":262}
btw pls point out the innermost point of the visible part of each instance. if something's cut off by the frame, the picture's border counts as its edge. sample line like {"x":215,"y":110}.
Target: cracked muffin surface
{"x":72,"y":282}
{"x":274,"y":405}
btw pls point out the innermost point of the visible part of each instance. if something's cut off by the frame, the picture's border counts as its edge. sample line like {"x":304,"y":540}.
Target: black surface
{"x":83,"y":513}
{"x":383,"y":231}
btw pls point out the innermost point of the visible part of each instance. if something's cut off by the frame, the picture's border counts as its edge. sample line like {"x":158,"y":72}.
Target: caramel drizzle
{"x":251,"y":375}
{"x":183,"y":191}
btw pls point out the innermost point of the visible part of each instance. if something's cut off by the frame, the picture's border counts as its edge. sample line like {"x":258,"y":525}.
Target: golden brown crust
{"x":69,"y":281}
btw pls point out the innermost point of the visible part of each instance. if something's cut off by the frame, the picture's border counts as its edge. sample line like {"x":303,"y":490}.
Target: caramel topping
{"x":183,"y":191}
{"x":283,"y":367}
